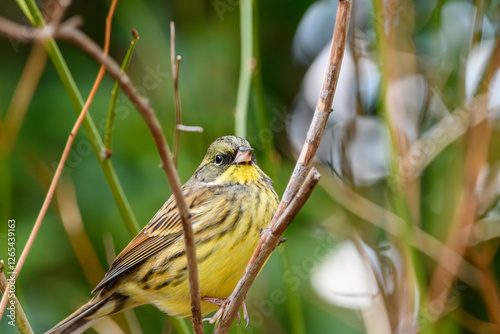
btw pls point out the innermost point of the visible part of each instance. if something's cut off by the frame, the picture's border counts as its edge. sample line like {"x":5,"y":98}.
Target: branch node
{"x":135,"y":33}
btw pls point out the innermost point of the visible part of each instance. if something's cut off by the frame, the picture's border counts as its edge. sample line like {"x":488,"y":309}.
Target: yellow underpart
{"x":225,"y":256}
{"x":218,"y":274}
{"x":240,"y":173}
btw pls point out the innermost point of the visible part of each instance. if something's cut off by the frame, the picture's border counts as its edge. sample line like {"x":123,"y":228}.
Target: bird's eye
{"x":218,"y":159}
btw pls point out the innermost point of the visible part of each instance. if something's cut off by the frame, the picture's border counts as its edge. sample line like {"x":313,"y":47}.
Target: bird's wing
{"x":161,"y":231}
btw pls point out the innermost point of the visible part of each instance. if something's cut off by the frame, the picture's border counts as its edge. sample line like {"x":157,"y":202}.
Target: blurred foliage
{"x":52,"y":283}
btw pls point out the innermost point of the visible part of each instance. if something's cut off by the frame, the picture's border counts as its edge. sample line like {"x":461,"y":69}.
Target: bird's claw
{"x":222,"y":303}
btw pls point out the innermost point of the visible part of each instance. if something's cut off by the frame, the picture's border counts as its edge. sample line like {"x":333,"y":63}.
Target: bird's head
{"x":229,"y":159}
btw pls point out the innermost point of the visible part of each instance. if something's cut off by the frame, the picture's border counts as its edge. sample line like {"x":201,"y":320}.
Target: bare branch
{"x":23,"y":33}
{"x":295,"y":187}
{"x":175,"y":65}
{"x":323,"y":107}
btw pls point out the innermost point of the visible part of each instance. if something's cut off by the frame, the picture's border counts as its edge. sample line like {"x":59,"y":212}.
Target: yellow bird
{"x":230,"y":199}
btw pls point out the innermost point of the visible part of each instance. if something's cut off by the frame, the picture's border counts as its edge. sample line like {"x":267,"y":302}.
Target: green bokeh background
{"x":52,"y":283}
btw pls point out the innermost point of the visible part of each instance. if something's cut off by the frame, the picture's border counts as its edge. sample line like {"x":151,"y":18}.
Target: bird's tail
{"x":89,"y":314}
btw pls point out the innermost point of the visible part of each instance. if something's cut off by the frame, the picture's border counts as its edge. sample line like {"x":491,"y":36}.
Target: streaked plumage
{"x":230,"y":199}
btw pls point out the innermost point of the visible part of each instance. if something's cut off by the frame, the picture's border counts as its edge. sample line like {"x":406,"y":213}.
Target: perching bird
{"x":230,"y":199}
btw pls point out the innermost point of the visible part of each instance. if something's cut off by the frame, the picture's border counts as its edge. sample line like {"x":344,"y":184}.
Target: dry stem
{"x":175,"y":65}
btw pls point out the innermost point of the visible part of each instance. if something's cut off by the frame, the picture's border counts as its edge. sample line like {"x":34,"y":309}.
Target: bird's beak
{"x":244,"y":154}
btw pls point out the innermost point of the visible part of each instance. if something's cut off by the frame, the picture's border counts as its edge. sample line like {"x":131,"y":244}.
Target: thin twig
{"x":108,"y":134}
{"x":60,"y":166}
{"x":175,"y":63}
{"x":21,"y":320}
{"x":144,"y":107}
{"x":23,"y":33}
{"x":270,"y":239}
{"x":175,"y":78}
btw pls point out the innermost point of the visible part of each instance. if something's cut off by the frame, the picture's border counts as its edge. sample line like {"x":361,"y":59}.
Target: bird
{"x":231,"y":200}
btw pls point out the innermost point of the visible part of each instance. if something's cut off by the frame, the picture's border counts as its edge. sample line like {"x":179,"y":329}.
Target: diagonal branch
{"x":302,"y":176}
{"x":324,"y":105}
